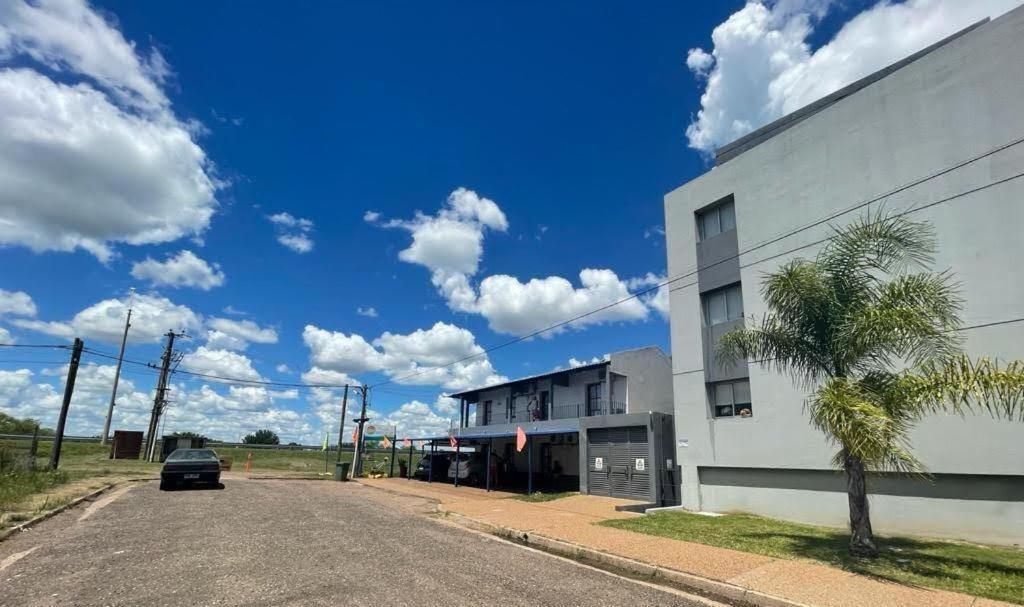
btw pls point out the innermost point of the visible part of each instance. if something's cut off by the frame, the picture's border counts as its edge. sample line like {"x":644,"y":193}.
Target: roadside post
{"x":341,"y":425}
{"x":430,"y":469}
{"x":69,"y":389}
{"x":394,"y":449}
{"x":410,"y":459}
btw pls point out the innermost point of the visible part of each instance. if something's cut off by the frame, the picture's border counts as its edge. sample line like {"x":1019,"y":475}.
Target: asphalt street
{"x":286,"y":543}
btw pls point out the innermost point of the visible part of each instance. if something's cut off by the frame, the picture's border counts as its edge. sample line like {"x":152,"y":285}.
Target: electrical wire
{"x":222,"y":378}
{"x":654,"y":288}
{"x":996,"y":323}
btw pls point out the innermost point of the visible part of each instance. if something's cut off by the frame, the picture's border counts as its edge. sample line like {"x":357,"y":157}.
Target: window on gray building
{"x":730,"y":399}
{"x":716,"y":220}
{"x":722,"y":305}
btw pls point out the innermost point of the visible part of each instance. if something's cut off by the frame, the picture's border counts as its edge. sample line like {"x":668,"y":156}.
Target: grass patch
{"x":539,"y":496}
{"x":18,"y":485}
{"x":989,"y":571}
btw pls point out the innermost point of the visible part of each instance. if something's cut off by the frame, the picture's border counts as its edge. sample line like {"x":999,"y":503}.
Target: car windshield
{"x":187,"y":454}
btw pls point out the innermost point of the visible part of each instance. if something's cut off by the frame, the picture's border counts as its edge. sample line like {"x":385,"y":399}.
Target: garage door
{"x":617,"y":462}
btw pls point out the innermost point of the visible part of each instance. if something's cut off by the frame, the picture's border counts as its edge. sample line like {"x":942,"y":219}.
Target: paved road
{"x":286,"y":543}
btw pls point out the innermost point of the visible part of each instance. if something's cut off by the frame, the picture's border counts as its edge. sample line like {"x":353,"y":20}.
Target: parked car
{"x":186,"y":466}
{"x":440,"y":462}
{"x":470,"y":468}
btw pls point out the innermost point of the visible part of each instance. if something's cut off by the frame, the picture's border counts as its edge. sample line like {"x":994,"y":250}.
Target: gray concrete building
{"x":935,"y":134}
{"x":603,"y":428}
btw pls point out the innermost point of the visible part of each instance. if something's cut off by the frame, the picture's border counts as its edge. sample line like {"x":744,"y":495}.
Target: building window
{"x":595,"y":398}
{"x":486,"y":413}
{"x":716,"y":220}
{"x":731,"y":399}
{"x":723,"y":305}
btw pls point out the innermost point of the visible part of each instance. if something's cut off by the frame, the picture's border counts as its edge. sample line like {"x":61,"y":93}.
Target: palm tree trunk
{"x":862,"y":539}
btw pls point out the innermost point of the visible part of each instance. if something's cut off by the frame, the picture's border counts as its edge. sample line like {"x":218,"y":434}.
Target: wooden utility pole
{"x":341,"y":425}
{"x":69,"y":389}
{"x":117,"y":371}
{"x":159,"y":399}
{"x":357,"y":456}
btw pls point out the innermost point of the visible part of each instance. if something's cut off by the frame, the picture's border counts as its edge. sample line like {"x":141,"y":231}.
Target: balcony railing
{"x":594,"y":407}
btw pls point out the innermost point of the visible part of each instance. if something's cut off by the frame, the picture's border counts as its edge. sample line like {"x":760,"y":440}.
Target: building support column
{"x":487,"y":462}
{"x":430,"y":470}
{"x":529,"y":465}
{"x":458,"y":444}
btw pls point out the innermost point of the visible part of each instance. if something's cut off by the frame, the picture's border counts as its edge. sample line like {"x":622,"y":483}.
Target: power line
{"x":653,"y":288}
{"x":956,"y":330}
{"x":222,"y":378}
{"x":54,"y":346}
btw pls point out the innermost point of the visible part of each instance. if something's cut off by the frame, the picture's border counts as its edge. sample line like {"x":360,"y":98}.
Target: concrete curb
{"x":713,"y":589}
{"x":42,"y":517}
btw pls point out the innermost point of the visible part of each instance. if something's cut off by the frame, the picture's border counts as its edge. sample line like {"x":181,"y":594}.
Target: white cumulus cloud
{"x":450,"y":244}
{"x":225,"y":333}
{"x":762,"y":66}
{"x":97,"y":157}
{"x":293,"y":232}
{"x":152,"y":317}
{"x":222,"y":363}
{"x":408,"y":358}
{"x":185,"y":269}
{"x":16,"y":303}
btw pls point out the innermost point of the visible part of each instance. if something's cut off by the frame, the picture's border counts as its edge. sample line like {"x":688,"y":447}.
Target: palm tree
{"x":875,"y":336}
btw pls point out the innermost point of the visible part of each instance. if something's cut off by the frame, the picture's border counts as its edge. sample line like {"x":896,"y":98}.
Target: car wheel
{"x":165,"y":486}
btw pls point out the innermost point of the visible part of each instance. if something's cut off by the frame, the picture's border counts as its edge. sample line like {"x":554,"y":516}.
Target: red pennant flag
{"x":355,"y":434}
{"x":520,"y":438}
{"x":453,"y":441}
{"x":406,"y":443}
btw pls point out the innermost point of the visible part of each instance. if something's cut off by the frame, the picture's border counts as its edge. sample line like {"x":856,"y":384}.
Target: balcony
{"x":596,"y":407}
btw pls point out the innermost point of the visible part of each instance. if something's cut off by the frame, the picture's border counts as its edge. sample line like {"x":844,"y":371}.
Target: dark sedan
{"x":184,"y":466}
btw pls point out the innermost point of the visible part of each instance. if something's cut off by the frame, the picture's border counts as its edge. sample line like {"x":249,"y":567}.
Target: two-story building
{"x":603,"y":428}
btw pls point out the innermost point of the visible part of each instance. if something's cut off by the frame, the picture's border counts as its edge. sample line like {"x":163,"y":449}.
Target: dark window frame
{"x":715,"y":211}
{"x":735,"y":407}
{"x":705,"y":301}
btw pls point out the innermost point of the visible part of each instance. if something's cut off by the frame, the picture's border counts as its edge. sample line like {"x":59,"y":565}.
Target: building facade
{"x":604,"y":428}
{"x":933,"y":135}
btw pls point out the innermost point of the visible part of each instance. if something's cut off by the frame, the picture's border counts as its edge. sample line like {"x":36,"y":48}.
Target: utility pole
{"x":69,"y":389}
{"x":357,"y":456}
{"x":158,"y":400}
{"x":341,"y":426}
{"x":117,"y":370}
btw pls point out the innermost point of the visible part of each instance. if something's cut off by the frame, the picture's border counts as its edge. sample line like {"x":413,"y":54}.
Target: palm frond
{"x":849,"y":415}
{"x":775,"y":345}
{"x":962,"y":385}
{"x":914,"y":318}
{"x":879,"y":242}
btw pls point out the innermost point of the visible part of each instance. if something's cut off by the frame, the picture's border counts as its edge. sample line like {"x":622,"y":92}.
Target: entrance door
{"x":599,"y":462}
{"x":617,"y":462}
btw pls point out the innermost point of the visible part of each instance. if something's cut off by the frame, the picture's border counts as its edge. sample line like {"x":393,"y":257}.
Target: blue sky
{"x":257,"y":173}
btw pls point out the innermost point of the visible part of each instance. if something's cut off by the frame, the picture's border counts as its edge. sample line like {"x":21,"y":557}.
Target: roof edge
{"x":733,"y":149}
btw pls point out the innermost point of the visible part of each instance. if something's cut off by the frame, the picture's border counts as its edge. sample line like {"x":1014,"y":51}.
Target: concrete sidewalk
{"x":572,"y":520}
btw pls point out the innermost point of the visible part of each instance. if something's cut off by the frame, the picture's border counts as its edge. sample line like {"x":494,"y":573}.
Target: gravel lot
{"x":286,"y":543}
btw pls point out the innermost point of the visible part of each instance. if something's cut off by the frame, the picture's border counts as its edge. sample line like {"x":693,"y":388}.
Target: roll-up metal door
{"x":617,"y":462}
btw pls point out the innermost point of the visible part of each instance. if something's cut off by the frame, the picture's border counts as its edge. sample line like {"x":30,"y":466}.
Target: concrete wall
{"x":957,"y":102}
{"x":649,"y":377}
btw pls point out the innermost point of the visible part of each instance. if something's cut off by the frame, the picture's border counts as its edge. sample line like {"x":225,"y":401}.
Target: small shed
{"x":170,"y":443}
{"x":127,"y":444}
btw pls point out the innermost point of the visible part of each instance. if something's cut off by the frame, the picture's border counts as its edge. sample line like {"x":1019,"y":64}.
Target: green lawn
{"x":538,"y":496}
{"x":988,"y":571}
